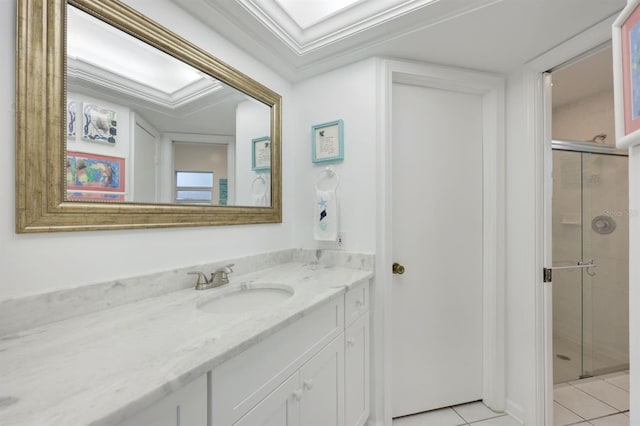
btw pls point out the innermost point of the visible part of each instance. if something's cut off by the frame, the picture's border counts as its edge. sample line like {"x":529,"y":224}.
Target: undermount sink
{"x":246,"y":298}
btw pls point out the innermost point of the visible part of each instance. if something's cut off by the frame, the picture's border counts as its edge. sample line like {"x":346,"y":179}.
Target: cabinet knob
{"x":308,"y":384}
{"x":297,"y":394}
{"x":359,"y":303}
{"x":351,"y":342}
{"x":398,"y":269}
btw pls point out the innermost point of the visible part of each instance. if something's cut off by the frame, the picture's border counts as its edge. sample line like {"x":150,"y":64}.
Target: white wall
{"x":634,"y":281}
{"x":37,"y":263}
{"x":348,"y":93}
{"x":585,"y":118}
{"x":252,"y":122}
{"x":521,"y":254}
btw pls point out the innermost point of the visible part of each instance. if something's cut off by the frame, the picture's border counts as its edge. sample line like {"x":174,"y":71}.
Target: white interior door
{"x":437,"y":235}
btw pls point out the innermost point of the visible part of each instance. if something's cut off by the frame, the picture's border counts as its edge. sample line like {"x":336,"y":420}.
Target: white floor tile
{"x":474,"y":411}
{"x":580,"y":403}
{"x":498,"y":421}
{"x":615,"y":420}
{"x":442,"y":417}
{"x":606,"y":392}
{"x":562,"y":416}
{"x":621,"y":381}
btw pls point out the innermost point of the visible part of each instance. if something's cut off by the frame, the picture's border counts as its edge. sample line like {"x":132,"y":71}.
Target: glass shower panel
{"x":605,"y":235}
{"x":590,"y":306}
{"x":567,"y":250}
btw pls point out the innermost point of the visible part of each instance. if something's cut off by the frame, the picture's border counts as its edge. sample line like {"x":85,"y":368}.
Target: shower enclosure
{"x":590,"y":223}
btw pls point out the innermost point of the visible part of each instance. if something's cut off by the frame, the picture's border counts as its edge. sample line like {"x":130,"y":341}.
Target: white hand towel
{"x":325,"y":222}
{"x":259,"y":188}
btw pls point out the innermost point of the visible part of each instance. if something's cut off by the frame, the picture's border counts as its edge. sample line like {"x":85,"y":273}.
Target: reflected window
{"x":194,"y":186}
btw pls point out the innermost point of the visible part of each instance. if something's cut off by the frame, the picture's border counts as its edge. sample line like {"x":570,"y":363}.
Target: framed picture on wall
{"x":261,"y":154}
{"x":92,"y":172}
{"x":100,"y":124}
{"x":327,"y":142}
{"x":72,"y":122}
{"x":626,"y":75}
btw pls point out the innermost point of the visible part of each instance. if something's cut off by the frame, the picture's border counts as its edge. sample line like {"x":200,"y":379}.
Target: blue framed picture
{"x":261,"y":154}
{"x":327,"y":142}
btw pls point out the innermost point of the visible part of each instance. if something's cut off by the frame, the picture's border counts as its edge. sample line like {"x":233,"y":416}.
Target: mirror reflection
{"x":143,"y":127}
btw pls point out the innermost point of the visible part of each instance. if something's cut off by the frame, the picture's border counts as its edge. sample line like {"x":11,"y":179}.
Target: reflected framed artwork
{"x":626,"y":75}
{"x":261,"y":154}
{"x":327,"y":142}
{"x":100,"y":124}
{"x":91,"y":172}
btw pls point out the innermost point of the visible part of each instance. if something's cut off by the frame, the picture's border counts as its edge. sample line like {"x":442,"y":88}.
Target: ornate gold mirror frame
{"x":40,"y":137}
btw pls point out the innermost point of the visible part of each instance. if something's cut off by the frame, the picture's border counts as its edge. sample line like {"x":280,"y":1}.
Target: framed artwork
{"x":100,"y":124}
{"x":626,"y":75}
{"x":327,"y":142}
{"x":72,"y":122}
{"x":105,"y":197}
{"x":87,"y":172}
{"x":261,"y":154}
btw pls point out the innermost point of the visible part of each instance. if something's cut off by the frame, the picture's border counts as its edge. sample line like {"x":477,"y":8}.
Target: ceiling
{"x":490,"y":35}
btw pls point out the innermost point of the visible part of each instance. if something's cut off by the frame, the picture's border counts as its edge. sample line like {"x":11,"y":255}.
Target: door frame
{"x":536,"y":135}
{"x":492,"y":89}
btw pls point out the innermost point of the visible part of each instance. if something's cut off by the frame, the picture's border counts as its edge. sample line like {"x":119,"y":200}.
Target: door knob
{"x":398,"y":269}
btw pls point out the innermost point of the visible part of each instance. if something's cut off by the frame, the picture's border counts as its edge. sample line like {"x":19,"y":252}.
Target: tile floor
{"x":598,"y":401}
{"x":568,"y":369}
{"x":473,"y":413}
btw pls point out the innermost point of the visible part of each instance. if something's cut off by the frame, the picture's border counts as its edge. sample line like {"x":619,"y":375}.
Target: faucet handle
{"x":202,"y":278}
{"x":226,"y":269}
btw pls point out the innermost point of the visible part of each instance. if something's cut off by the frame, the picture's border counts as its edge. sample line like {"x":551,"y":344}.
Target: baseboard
{"x":515,"y":411}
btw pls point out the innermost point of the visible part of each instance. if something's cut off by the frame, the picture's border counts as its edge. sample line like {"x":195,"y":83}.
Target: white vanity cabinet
{"x":311,"y":396}
{"x":357,"y":355}
{"x":185,"y":407}
{"x":315,"y":371}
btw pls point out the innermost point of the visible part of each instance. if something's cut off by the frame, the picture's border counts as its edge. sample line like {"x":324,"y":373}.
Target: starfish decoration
{"x":322,"y":203}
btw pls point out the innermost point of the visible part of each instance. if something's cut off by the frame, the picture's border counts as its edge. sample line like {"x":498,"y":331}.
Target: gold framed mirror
{"x":56,"y":189}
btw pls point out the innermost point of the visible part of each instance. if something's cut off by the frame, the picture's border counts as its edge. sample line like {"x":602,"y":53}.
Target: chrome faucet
{"x":218,"y":278}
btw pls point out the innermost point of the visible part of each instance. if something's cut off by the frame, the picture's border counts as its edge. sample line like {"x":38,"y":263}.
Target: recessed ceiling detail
{"x":488,"y":35}
{"x":307,"y":13}
{"x":306,"y":26}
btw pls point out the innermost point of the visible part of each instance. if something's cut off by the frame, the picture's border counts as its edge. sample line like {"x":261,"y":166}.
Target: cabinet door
{"x":184,"y":407}
{"x":279,"y":408}
{"x":357,"y":372}
{"x":322,"y":382}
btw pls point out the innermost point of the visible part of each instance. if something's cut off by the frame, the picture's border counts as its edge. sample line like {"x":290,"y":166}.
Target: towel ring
{"x":261,"y":191}
{"x":327,"y":175}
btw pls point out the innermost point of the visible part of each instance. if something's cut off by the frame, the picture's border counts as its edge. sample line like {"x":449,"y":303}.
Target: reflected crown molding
{"x":90,"y":75}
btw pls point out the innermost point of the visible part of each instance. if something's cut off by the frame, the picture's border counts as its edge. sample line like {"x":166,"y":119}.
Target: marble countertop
{"x":102,"y":367}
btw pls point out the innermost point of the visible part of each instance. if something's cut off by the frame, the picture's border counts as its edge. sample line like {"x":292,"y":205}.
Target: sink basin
{"x":246,"y":298}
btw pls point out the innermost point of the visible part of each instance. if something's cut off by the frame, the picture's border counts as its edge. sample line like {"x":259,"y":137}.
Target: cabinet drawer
{"x":356,"y":302}
{"x":240,"y":383}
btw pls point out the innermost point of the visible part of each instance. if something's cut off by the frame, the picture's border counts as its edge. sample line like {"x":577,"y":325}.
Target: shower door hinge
{"x":547,"y":275}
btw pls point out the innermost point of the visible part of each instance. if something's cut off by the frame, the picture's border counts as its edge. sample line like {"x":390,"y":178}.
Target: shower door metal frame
{"x":588,"y":148}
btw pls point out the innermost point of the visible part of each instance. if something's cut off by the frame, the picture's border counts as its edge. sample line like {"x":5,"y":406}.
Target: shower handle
{"x":547,"y":272}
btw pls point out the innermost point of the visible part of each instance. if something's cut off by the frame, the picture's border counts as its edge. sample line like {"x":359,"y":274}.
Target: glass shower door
{"x":605,"y":240}
{"x":590,"y":223}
